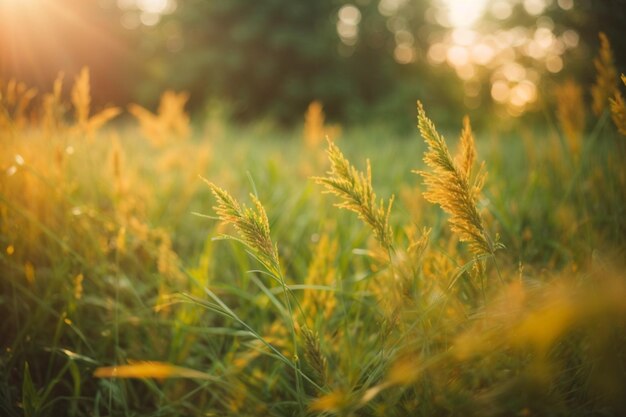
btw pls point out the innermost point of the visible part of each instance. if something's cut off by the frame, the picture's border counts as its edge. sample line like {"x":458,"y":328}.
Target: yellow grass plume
{"x":605,"y":86}
{"x":320,"y":303}
{"x":81,"y":99}
{"x":570,"y":113}
{"x":251,"y":224}
{"x":52,"y":107}
{"x":450,"y":184}
{"x":357,"y":194}
{"x":81,"y":96}
{"x":172,"y":112}
{"x":314,"y":124}
{"x":618,"y":110}
{"x":315,"y":127}
{"x":169,"y":122}
{"x":15,"y":99}
{"x":314,"y":356}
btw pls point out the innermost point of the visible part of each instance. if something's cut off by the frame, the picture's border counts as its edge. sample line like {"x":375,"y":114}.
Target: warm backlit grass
{"x":130,"y":286}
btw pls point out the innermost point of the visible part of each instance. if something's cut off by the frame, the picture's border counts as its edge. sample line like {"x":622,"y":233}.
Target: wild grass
{"x":117,"y":300}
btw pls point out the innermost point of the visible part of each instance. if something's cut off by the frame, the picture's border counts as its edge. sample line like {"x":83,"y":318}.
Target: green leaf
{"x":30,"y":397}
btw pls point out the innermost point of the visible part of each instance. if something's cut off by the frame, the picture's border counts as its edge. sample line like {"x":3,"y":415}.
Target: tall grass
{"x":466,"y":296}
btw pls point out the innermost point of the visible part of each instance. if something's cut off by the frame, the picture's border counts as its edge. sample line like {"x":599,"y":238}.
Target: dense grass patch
{"x":117,"y":298}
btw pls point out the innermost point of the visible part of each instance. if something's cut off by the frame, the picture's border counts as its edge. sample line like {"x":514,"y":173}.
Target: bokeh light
{"x":144,"y":12}
{"x":463,"y":13}
{"x":349,"y":17}
{"x":475,"y":41}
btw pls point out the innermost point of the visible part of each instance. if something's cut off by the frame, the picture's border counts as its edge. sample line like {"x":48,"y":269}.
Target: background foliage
{"x":272,"y":58}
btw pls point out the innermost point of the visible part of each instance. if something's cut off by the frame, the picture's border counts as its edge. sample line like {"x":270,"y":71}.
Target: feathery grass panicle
{"x":315,"y":127}
{"x":15,"y":100}
{"x":52,"y":107}
{"x":172,"y":112}
{"x":355,"y":188}
{"x":317,"y":304}
{"x":570,"y":113}
{"x":605,"y":86}
{"x":450,"y":186}
{"x":81,"y":99}
{"x":314,"y":356}
{"x":618,"y":110}
{"x":81,"y":96}
{"x":251,"y":224}
{"x":314,"y":124}
{"x":169,"y":122}
{"x":467,"y":153}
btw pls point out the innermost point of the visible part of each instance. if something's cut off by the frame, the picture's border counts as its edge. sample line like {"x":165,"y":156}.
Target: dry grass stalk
{"x":81,"y":96}
{"x":251,"y":224}
{"x":52,"y":107}
{"x":315,"y":127}
{"x":571,"y":113}
{"x":605,"y":86}
{"x":449,"y":183}
{"x":172,"y":112}
{"x":618,"y":110}
{"x":355,"y":189}
{"x":15,"y":99}
{"x":170,"y":120}
{"x":314,"y":124}
{"x":81,"y":99}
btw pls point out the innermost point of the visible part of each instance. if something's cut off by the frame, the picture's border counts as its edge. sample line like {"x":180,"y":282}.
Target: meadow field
{"x":153,"y":265}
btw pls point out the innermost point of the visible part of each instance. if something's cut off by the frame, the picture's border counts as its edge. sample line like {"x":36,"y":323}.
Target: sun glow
{"x":464,"y":13}
{"x":511,"y":60}
{"x":39,"y":38}
{"x":14,"y":4}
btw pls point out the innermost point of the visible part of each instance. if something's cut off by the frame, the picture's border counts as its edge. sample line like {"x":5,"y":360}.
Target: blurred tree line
{"x":269,"y":58}
{"x":274,"y":57}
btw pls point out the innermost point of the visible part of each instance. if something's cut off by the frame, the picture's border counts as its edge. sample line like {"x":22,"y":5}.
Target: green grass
{"x":422,"y":334}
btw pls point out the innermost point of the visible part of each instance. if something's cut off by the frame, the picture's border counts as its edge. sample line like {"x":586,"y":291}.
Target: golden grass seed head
{"x":251,"y":224}
{"x":81,"y":96}
{"x":605,"y":86}
{"x":449,"y":186}
{"x":618,"y":110}
{"x":170,"y":121}
{"x":321,"y":271}
{"x":314,"y":356}
{"x":314,"y":125}
{"x":467,"y":153}
{"x":357,"y":194}
{"x":571,"y":113}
